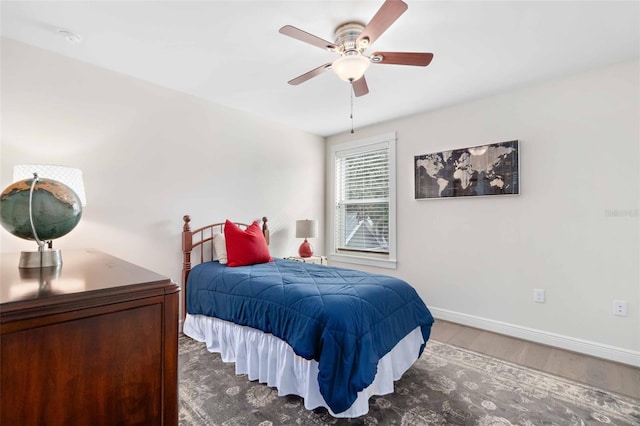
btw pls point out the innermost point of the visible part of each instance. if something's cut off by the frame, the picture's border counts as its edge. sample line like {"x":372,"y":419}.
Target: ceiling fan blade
{"x":307,"y":38}
{"x":360,"y":87}
{"x":384,"y":17}
{"x":402,"y":58}
{"x":310,"y":74}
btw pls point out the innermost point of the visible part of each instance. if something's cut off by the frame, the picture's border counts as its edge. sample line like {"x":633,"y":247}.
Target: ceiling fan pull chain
{"x":351,"y":116}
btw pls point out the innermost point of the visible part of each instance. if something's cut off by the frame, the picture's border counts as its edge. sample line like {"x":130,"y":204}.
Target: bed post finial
{"x":187,"y":246}
{"x":265,"y":229}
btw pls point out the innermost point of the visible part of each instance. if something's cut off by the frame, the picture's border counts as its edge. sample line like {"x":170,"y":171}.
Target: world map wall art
{"x":479,"y":170}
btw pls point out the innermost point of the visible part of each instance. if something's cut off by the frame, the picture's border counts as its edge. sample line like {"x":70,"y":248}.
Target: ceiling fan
{"x":351,"y":40}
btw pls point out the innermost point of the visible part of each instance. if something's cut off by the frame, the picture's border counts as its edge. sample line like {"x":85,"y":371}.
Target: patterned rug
{"x":446,"y":386}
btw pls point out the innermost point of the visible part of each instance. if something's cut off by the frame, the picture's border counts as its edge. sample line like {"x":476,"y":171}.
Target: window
{"x":364,"y":204}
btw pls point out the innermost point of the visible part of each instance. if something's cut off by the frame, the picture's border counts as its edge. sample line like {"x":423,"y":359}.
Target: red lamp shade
{"x":306,"y":229}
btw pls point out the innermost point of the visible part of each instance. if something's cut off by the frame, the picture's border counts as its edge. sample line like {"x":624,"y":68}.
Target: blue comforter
{"x":344,"y":319}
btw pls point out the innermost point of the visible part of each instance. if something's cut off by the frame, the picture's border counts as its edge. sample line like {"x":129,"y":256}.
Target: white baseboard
{"x":599,"y":350}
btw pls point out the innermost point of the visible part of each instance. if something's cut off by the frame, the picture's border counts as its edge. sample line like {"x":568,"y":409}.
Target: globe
{"x":56,"y":209}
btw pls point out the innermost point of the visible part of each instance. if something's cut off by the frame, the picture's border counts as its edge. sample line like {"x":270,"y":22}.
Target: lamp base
{"x":40,"y":259}
{"x":305,"y":249}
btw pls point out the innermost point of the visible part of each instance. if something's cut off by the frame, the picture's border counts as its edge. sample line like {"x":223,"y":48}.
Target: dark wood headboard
{"x":201,"y":239}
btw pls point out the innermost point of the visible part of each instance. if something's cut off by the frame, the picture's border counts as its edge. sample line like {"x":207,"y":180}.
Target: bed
{"x":333,"y":336}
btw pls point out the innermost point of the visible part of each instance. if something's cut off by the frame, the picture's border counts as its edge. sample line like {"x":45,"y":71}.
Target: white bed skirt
{"x":268,"y":359}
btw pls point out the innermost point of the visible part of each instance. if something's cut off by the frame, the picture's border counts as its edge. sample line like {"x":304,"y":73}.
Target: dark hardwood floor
{"x":608,"y":375}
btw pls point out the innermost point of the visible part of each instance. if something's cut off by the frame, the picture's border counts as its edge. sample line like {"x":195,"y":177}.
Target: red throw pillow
{"x":245,"y":247}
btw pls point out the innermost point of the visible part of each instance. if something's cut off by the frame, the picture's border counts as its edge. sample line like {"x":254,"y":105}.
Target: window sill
{"x":364,"y":260}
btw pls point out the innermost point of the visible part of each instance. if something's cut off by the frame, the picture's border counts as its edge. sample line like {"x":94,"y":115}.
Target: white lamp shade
{"x":350,"y":67}
{"x":306,"y":228}
{"x":67,"y":175}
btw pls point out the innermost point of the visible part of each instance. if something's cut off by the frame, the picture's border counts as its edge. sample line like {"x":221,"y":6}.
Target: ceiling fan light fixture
{"x":352,"y":38}
{"x":350,"y":67}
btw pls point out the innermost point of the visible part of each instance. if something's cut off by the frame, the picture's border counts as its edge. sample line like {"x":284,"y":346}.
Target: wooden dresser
{"x":94,"y":342}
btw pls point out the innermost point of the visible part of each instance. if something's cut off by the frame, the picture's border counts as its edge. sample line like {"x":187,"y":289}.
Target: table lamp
{"x":306,"y":229}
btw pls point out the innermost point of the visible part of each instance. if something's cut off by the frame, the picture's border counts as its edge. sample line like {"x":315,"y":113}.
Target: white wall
{"x":151,"y":155}
{"x":573,"y":231}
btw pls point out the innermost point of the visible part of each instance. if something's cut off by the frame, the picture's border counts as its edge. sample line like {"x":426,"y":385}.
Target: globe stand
{"x":56,"y":206}
{"x":40,"y":259}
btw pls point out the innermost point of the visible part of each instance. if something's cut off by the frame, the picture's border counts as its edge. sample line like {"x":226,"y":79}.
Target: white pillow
{"x":221,"y":248}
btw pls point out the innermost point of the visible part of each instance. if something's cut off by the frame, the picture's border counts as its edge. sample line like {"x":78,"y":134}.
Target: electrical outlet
{"x":538,"y":295}
{"x":620,"y":308}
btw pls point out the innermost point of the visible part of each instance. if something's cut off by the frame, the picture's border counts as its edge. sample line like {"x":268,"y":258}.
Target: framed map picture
{"x":480,"y":170}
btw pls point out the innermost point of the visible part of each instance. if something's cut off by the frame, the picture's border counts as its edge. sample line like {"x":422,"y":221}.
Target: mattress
{"x":344,"y":319}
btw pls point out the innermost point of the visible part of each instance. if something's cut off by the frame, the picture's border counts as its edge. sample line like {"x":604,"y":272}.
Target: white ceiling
{"x":230,"y":52}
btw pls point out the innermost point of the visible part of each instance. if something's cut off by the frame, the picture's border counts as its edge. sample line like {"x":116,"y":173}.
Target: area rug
{"x":446,"y":386}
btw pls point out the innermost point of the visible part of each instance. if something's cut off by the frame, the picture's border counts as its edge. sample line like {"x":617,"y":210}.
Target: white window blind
{"x":362,"y":188}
